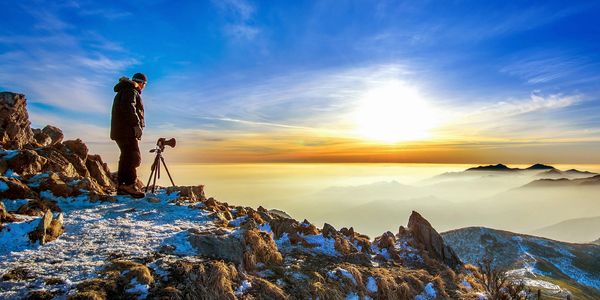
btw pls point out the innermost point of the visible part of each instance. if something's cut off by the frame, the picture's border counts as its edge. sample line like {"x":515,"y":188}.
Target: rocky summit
{"x":65,"y":235}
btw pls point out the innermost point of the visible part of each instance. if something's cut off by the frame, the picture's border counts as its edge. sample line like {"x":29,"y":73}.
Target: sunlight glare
{"x":394,"y":112}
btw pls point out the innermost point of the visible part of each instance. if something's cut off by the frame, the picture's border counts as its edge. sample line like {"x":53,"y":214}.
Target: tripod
{"x":155,"y":168}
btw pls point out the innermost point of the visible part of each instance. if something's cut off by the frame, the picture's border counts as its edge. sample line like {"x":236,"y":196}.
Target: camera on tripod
{"x":162,"y":142}
{"x":155,"y":168}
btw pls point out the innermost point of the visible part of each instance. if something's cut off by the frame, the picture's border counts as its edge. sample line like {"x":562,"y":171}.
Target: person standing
{"x":127,"y":124}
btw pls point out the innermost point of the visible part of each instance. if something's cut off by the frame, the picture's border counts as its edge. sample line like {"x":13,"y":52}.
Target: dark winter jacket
{"x":127,"y":110}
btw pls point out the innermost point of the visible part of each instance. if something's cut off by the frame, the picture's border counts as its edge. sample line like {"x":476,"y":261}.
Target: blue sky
{"x":263,"y":79}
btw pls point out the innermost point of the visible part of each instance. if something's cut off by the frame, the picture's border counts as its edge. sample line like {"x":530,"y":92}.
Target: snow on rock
{"x":428,"y":293}
{"x":3,"y":186}
{"x":371,"y":285}
{"x":352,"y":296}
{"x":466,"y":284}
{"x":15,"y":236}
{"x":244,"y":286}
{"x":93,"y":233}
{"x":139,"y":289}
{"x":14,"y":204}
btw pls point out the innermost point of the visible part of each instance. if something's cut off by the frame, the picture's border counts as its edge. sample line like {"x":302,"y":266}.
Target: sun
{"x":393,"y":112}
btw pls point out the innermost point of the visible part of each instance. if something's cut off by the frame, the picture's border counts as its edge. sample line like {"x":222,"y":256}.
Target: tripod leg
{"x":152,"y":168}
{"x":168,"y":173}
{"x":156,"y":171}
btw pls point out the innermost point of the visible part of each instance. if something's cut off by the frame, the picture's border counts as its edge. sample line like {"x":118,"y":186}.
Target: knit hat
{"x":139,"y":77}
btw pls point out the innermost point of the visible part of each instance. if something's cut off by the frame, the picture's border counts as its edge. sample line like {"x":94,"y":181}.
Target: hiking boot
{"x":130,"y":190}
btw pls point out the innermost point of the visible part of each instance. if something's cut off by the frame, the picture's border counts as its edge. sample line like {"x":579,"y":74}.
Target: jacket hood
{"x":125,"y":83}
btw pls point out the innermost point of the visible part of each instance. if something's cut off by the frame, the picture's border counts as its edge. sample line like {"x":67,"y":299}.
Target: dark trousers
{"x":129,"y":160}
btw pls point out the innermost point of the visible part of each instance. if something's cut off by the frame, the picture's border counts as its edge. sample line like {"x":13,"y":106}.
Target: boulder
{"x":77,"y":147}
{"x":329,"y":231}
{"x":5,"y":216}
{"x":57,"y":162}
{"x":219,"y":245}
{"x":55,"y":134}
{"x":55,"y":184}
{"x":189,"y":193}
{"x":431,"y":240}
{"x":15,"y":130}
{"x":99,"y":171}
{"x":38,"y":207}
{"x":48,"y":229}
{"x":42,"y":139}
{"x":26,"y":163}
{"x":12,"y":188}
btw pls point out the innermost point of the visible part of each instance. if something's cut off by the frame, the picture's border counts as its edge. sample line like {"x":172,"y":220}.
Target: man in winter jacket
{"x":126,"y":128}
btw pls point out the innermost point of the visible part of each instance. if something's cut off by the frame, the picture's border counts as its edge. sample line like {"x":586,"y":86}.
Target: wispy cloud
{"x":535,"y":103}
{"x":544,"y":68}
{"x":239,"y":14}
{"x":57,"y":65}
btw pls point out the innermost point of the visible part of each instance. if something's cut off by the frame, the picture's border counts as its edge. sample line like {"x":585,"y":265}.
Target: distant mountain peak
{"x":498,"y":167}
{"x":541,"y":167}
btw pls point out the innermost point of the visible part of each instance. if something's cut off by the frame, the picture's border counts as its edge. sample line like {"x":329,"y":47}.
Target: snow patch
{"x":139,"y":289}
{"x":14,"y":204}
{"x":3,"y":186}
{"x":428,"y":293}
{"x":244,"y":286}
{"x":372,"y":285}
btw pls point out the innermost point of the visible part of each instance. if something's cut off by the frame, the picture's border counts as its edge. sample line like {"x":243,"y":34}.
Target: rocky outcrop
{"x":189,"y":193}
{"x":48,"y":229}
{"x":15,"y":130}
{"x":15,"y":189}
{"x":26,"y":154}
{"x":432,"y":241}
{"x":5,"y":216}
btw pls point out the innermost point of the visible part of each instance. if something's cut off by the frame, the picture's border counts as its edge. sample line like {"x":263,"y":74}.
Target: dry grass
{"x":263,"y":289}
{"x":209,"y":280}
{"x":130,"y":270}
{"x":320,"y":290}
{"x":95,"y":289}
{"x":343,"y":246}
{"x":260,"y":247}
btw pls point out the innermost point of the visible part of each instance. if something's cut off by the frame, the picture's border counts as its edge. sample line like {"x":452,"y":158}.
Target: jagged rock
{"x":57,"y":163}
{"x":26,"y":163}
{"x":77,"y":147}
{"x":189,"y":193}
{"x":431,"y":240}
{"x":54,"y":183}
{"x":5,"y":216}
{"x":15,"y":189}
{"x":41,"y":138}
{"x":48,"y":229}
{"x":87,"y":185}
{"x":307,"y":228}
{"x":38,"y":207}
{"x":386,"y":241}
{"x":329,"y":231}
{"x":99,"y":171}
{"x":349,"y":232}
{"x":279,"y":213}
{"x":281,"y":226}
{"x":15,"y":130}
{"x":54,"y":133}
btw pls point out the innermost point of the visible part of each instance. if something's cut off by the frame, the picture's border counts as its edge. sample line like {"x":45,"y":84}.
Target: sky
{"x":318,"y":81}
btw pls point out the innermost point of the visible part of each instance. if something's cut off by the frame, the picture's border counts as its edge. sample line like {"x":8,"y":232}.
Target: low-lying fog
{"x":374,"y":198}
